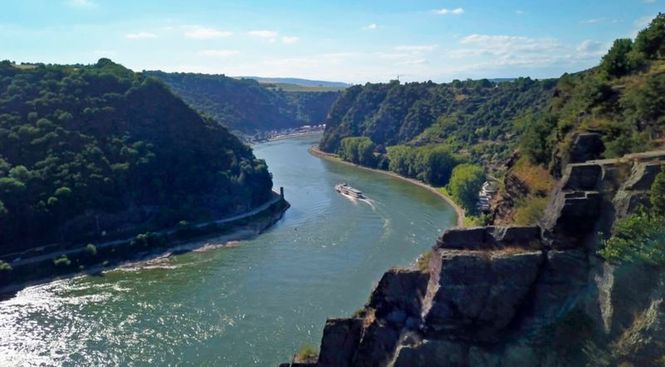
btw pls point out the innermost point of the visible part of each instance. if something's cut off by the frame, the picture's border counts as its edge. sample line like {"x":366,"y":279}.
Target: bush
{"x":62,"y":261}
{"x":91,"y":249}
{"x":616,"y":62}
{"x":5,"y":266}
{"x":530,"y":211}
{"x":657,"y":194}
{"x":638,"y":238}
{"x":306,"y":353}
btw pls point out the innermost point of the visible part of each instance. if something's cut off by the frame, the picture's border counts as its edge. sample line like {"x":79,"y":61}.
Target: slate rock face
{"x":473,"y":295}
{"x":585,"y":147}
{"x":339,"y":342}
{"x":495,"y":296}
{"x":432,"y":353}
{"x":489,"y":238}
{"x":399,"y":295}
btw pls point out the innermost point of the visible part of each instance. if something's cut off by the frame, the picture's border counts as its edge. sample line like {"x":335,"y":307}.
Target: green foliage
{"x":616,"y":62}
{"x":637,"y":238}
{"x":530,"y":211}
{"x":465,"y":183}
{"x":5,"y":266}
{"x":306,"y":353}
{"x":432,"y":164}
{"x":82,"y":144}
{"x":91,"y":249}
{"x":657,"y":194}
{"x":651,"y":41}
{"x":476,"y":221}
{"x":640,"y":238}
{"x":476,"y":116}
{"x":246,"y":106}
{"x":536,"y":143}
{"x":62,"y":261}
{"x":359,"y":150}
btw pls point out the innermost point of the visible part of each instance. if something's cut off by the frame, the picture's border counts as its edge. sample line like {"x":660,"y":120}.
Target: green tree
{"x":616,"y":62}
{"x":651,"y":40}
{"x":657,"y":194}
{"x":465,"y":183}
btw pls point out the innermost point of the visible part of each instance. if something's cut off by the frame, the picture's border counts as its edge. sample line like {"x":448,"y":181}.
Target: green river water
{"x":251,"y":303}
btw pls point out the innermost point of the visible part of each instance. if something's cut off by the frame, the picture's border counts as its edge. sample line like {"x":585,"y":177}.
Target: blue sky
{"x":353,"y":41}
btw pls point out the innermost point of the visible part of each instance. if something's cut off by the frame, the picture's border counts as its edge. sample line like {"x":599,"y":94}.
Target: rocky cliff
{"x":520,"y":296}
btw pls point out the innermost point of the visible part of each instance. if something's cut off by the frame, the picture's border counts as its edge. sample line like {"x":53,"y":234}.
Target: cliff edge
{"x":520,"y":296}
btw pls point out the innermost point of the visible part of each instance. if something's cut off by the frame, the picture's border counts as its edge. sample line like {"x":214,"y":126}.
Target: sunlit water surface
{"x":250,"y":303}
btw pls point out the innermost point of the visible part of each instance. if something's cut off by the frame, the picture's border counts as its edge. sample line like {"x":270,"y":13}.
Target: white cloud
{"x":219,"y":53}
{"x":519,"y":12}
{"x":288,"y":40}
{"x":648,"y":1}
{"x":140,"y":35}
{"x":416,"y":48}
{"x":204,"y":33}
{"x":456,"y":11}
{"x":82,"y":3}
{"x":591,"y":47}
{"x":371,"y":27}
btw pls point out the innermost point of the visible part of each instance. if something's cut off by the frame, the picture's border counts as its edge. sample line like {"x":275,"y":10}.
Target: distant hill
{"x":247,"y":107}
{"x":298,"y":82}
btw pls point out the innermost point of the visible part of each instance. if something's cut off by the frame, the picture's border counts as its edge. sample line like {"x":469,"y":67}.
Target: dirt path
{"x":333,"y":157}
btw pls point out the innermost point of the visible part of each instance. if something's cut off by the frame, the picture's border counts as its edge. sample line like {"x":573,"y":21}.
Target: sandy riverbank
{"x":333,"y":157}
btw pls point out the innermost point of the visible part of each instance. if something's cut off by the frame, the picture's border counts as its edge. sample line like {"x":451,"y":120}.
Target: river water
{"x":252,"y":303}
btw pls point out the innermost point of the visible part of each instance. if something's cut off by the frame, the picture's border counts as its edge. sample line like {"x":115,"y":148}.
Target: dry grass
{"x":537,"y":178}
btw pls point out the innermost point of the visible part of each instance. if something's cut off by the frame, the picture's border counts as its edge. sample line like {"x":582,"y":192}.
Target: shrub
{"x":637,"y":238}
{"x":530,"y":211}
{"x":306,"y":353}
{"x":657,"y":194}
{"x":91,"y":249}
{"x":616,"y":62}
{"x":5,"y":266}
{"x":62,"y":261}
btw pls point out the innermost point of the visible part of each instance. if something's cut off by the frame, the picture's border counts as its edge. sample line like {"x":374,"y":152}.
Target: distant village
{"x":284,"y":133}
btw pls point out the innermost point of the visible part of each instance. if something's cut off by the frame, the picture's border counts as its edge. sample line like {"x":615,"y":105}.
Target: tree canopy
{"x":86,"y":149}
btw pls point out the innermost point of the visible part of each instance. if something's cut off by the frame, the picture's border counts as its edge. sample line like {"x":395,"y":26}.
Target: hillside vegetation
{"x":623,"y":99}
{"x":246,"y":106}
{"x":88,"y":150}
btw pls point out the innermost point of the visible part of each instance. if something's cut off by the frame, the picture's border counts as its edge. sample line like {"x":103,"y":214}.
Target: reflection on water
{"x":252,"y":303}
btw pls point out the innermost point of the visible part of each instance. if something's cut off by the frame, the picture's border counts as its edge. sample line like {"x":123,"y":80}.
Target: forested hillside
{"x":245,"y":106}
{"x":477,"y":117}
{"x":622,"y":99}
{"x":90,"y":150}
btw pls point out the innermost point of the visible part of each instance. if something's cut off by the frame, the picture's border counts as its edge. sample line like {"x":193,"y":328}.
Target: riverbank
{"x":459,"y":212}
{"x":93,"y":259}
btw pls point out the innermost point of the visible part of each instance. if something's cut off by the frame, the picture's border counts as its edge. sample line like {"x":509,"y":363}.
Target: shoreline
{"x":459,"y":212}
{"x":239,"y":231}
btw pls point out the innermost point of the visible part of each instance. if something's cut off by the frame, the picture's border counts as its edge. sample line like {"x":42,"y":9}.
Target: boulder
{"x":339,"y":342}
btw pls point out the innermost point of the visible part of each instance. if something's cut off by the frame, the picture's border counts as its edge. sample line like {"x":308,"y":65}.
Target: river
{"x":251,"y":303}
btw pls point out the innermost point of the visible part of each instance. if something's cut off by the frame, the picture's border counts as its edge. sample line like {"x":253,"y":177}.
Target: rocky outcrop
{"x":520,"y":296}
